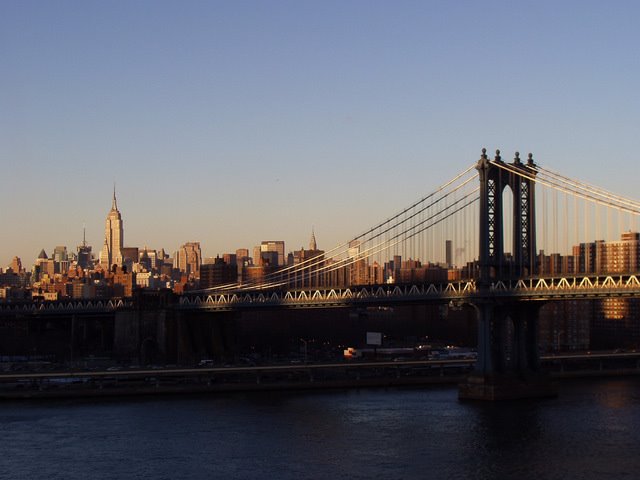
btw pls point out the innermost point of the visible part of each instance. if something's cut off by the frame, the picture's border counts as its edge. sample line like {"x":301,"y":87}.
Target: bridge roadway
{"x":544,"y":288}
{"x":150,"y":381}
{"x":530,"y":289}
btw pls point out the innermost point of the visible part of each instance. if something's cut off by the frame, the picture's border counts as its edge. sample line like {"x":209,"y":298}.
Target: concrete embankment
{"x":150,"y":390}
{"x":264,"y":378}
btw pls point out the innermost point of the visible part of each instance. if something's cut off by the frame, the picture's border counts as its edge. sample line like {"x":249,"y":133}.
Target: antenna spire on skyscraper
{"x":312,"y":243}
{"x":114,"y":204}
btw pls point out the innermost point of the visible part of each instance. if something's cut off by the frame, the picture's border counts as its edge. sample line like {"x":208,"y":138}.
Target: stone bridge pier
{"x":167,"y":336}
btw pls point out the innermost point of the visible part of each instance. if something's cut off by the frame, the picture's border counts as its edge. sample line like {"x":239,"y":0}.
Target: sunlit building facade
{"x":111,"y":253}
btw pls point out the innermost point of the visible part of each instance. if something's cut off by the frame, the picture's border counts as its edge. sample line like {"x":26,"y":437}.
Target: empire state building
{"x":111,"y":252}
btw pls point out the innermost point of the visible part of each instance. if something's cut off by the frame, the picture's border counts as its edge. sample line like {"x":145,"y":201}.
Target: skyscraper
{"x":188,"y":259}
{"x":309,"y":263}
{"x":448,"y":247}
{"x":60,"y":254}
{"x":84,"y":252}
{"x":273,"y":246}
{"x":16,"y":265}
{"x":113,"y":237}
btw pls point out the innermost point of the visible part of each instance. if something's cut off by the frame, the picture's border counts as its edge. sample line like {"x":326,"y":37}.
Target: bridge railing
{"x":578,"y":286}
{"x":331,"y":296}
{"x":533,"y":288}
{"x":65,"y":306}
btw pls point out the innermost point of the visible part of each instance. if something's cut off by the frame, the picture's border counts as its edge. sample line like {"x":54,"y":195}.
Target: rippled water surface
{"x":591,"y":431}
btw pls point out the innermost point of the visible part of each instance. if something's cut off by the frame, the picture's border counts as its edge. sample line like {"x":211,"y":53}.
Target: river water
{"x":591,"y":431}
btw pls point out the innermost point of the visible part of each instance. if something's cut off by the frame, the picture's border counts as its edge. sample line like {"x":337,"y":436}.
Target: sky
{"x":234,"y":122}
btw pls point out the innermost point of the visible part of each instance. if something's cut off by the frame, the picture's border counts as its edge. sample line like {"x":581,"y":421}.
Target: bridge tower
{"x":520,"y":178}
{"x":508,"y":358}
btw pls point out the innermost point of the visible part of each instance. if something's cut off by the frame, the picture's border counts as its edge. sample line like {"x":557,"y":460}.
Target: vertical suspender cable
{"x":544,"y":229}
{"x":554,"y":225}
{"x":579,"y":224}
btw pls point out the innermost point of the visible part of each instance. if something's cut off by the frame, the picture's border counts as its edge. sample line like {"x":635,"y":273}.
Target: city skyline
{"x":113,"y":241}
{"x":233,"y":123}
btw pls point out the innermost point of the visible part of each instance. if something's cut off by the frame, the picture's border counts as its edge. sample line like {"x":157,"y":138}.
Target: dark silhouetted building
{"x":217,"y":273}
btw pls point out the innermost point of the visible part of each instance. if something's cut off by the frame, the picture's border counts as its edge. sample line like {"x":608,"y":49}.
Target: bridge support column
{"x":507,"y":366}
{"x":521,"y":360}
{"x":485,"y":362}
{"x":531,"y":338}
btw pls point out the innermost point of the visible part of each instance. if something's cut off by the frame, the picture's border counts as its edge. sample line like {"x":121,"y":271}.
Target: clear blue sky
{"x":234,"y":122}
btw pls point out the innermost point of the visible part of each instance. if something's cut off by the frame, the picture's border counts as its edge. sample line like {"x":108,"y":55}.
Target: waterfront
{"x":46,"y":382}
{"x":589,"y":431}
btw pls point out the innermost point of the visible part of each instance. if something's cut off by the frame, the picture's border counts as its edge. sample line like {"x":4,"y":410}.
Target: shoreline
{"x":150,"y":389}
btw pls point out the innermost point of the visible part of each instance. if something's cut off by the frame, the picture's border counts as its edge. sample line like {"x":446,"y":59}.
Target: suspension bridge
{"x":503,"y":237}
{"x":484,"y":231}
{"x":480,"y":240}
